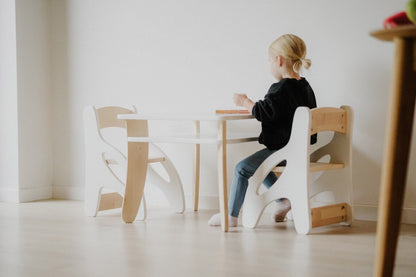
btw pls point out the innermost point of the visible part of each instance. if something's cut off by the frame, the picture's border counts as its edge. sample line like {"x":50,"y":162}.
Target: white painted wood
{"x":295,"y":182}
{"x":171,"y":188}
{"x":221,"y":139}
{"x":185,"y":116}
{"x":101,"y":156}
{"x":196,"y":139}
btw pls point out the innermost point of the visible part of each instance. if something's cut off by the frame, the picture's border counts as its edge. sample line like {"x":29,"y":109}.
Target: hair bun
{"x":293,"y":48}
{"x":301,"y":62}
{"x":306,"y":63}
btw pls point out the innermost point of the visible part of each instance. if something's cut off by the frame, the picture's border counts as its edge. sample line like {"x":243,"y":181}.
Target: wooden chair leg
{"x":197,"y":167}
{"x":222,"y":174}
{"x":136,"y":177}
{"x":396,"y":153}
{"x":137,"y":161}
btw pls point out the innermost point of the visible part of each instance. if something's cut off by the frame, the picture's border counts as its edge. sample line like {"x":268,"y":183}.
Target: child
{"x":275,"y":112}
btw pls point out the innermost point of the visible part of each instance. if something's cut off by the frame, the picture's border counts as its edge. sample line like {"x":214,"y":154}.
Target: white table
{"x":138,"y":139}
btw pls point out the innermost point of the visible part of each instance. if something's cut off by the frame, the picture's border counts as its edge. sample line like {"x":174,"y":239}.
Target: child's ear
{"x":279,"y":60}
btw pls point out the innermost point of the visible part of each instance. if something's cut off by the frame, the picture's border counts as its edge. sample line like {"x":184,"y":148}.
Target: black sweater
{"x":277,"y":109}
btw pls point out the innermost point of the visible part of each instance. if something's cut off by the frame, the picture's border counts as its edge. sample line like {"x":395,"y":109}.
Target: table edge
{"x":182,"y":117}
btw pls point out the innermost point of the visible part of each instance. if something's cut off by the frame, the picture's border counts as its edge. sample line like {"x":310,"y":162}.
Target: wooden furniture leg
{"x":137,"y":159}
{"x":396,"y":153}
{"x":197,"y":166}
{"x":222,"y":173}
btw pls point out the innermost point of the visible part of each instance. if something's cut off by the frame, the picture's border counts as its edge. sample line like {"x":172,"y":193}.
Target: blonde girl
{"x":287,"y":56}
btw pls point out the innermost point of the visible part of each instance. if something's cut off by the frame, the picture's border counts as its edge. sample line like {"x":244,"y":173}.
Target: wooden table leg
{"x":396,"y":153}
{"x":197,"y":166}
{"x":222,"y":174}
{"x":137,"y":156}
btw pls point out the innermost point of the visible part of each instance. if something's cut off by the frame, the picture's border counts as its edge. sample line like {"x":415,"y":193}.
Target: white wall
{"x":9,"y":175}
{"x":187,"y":55}
{"x":34,"y":99}
{"x":192,"y":55}
{"x":25,"y":101}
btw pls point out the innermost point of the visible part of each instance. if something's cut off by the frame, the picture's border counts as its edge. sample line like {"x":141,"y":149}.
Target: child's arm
{"x":243,"y":101}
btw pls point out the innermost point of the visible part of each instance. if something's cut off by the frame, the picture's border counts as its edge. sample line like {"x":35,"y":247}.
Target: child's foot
{"x":283,"y":207}
{"x":215,"y":220}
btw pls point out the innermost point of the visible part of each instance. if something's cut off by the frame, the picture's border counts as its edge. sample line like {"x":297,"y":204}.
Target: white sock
{"x":283,"y":207}
{"x":215,"y":220}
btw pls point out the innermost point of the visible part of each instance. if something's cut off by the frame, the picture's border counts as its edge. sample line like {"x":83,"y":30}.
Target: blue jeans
{"x":243,"y":171}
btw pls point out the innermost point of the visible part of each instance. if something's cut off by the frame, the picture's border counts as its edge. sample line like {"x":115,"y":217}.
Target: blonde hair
{"x":292,"y":48}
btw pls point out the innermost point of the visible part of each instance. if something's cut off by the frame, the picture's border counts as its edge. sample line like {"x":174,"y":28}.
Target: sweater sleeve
{"x":266,"y":110}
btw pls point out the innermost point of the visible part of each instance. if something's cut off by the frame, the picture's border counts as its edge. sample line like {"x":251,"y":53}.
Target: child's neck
{"x":290,"y":74}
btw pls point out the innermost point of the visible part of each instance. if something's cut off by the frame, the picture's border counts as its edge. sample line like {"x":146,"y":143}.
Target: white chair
{"x":106,"y":165}
{"x":298,"y":181}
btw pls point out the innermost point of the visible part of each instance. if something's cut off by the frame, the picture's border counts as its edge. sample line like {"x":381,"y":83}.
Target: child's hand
{"x":239,"y":99}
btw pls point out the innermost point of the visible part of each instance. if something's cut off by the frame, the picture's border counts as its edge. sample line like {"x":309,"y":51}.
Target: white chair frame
{"x":100,"y":156}
{"x":295,"y":181}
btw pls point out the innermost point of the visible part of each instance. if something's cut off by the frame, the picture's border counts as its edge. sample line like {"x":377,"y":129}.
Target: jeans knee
{"x":241,"y":170}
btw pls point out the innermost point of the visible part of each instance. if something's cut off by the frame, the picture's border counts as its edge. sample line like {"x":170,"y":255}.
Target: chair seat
{"x":313,"y":167}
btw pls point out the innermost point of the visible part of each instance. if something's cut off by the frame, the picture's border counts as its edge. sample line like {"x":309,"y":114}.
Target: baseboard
{"x":205,"y":202}
{"x":370,"y":212}
{"x":9,"y":195}
{"x":33,"y":194}
{"x":365,"y":212}
{"x":25,"y":194}
{"x":68,"y":192}
{"x":409,"y":215}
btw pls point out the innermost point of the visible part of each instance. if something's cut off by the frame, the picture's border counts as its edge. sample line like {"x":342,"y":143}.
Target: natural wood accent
{"x":330,"y":214}
{"x":111,"y":161}
{"x":313,"y":167}
{"x":222,"y":173}
{"x":109,"y":201}
{"x":108,"y":117}
{"x":328,"y":119}
{"x":137,"y":155}
{"x":156,"y":160}
{"x":406,"y":31}
{"x":232,"y":112}
{"x":197,"y":165}
{"x":397,"y":145}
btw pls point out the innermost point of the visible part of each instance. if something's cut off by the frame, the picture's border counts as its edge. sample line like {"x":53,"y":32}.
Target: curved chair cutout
{"x":103,"y":158}
{"x":295,"y":181}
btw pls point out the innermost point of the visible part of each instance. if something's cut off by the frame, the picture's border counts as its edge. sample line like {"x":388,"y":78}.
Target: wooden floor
{"x":54,"y":238}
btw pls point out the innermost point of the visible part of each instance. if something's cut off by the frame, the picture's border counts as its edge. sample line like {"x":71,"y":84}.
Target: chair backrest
{"x":99,"y":137}
{"x":107,"y":116}
{"x":338,"y":120}
{"x":329,"y":119}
